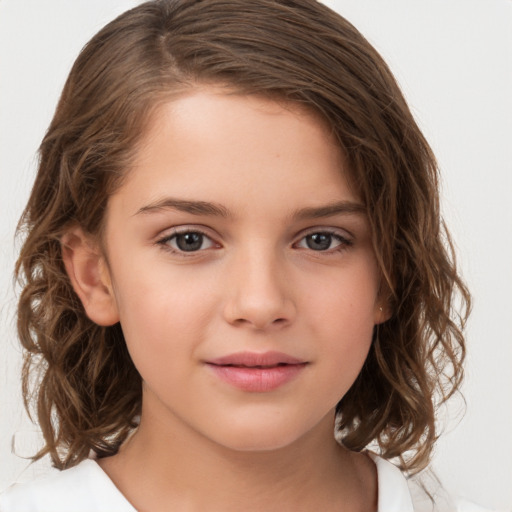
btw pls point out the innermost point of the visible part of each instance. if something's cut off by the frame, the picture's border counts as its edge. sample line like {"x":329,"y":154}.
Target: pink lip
{"x":257,"y":372}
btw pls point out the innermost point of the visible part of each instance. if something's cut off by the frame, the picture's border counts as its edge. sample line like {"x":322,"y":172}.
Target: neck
{"x":178,"y":468}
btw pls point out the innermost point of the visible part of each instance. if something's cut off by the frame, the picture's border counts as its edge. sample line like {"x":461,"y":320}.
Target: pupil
{"x":318,"y":241}
{"x":189,"y":241}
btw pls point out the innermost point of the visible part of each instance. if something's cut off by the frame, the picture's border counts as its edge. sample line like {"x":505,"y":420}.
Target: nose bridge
{"x":259,"y":295}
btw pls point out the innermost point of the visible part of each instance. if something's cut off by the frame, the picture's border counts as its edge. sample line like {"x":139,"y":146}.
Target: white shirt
{"x":87,"y":488}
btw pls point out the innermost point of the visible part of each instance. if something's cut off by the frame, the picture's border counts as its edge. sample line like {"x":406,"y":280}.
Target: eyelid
{"x":185,"y":228}
{"x":343,"y":233}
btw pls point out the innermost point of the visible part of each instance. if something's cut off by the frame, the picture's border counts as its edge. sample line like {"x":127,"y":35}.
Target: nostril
{"x":259,"y":311}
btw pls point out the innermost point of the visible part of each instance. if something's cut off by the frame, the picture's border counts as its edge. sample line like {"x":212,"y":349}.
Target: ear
{"x":383,"y":302}
{"x":382,"y":312}
{"x":89,"y":275}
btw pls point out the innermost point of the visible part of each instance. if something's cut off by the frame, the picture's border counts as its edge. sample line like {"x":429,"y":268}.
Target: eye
{"x":188,"y":241}
{"x":324,"y":241}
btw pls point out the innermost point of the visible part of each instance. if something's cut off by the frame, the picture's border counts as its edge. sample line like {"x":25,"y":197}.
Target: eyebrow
{"x":217,"y":210}
{"x":329,"y":210}
{"x":193,"y":207}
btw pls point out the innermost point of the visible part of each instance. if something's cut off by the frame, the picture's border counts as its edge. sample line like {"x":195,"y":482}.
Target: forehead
{"x":229,"y":147}
{"x":200,"y":103}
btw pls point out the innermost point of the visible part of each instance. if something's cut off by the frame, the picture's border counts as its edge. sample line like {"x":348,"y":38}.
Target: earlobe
{"x":382,"y":313}
{"x":89,"y":276}
{"x":384,"y":302}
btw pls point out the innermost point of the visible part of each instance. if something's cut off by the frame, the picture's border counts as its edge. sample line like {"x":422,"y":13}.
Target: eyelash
{"x":344,"y":242}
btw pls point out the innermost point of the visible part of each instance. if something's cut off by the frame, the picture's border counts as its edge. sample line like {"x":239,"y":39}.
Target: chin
{"x":255,"y":445}
{"x":263,"y":438}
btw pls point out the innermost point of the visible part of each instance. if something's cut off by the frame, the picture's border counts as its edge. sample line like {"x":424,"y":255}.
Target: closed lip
{"x":256,"y":359}
{"x":257,"y":372}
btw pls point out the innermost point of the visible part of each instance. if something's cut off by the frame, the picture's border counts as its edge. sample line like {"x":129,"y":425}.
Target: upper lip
{"x":255,"y":359}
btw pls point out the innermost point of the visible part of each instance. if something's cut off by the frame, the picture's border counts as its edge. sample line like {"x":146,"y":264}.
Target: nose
{"x":259,"y":293}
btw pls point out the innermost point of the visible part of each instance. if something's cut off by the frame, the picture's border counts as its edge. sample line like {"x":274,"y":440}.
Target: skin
{"x":254,"y":284}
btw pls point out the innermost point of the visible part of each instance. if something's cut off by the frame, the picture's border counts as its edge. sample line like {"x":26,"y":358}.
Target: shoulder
{"x":422,"y":493}
{"x":429,"y":495}
{"x":83,"y":488}
{"x":393,"y":492}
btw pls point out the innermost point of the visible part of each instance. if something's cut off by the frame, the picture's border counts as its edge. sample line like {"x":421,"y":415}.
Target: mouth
{"x":257,"y":372}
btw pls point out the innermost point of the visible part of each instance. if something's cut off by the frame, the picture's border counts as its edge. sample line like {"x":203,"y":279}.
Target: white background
{"x":453,"y":59}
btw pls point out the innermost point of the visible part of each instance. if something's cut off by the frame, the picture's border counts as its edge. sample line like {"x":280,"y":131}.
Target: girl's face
{"x":242,"y":271}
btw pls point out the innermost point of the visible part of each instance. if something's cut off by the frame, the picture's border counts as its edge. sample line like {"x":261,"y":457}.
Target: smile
{"x":257,"y":373}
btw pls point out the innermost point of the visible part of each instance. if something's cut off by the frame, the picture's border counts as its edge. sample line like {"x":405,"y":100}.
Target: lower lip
{"x":257,"y":380}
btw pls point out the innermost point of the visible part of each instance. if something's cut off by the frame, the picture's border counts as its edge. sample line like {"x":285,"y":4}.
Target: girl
{"x":233,"y":250}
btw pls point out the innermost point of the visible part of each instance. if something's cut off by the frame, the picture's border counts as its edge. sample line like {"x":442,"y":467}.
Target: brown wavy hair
{"x":78,"y":378}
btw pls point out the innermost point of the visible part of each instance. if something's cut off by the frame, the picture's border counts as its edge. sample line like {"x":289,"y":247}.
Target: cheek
{"x":342,"y":320}
{"x":164,"y":315}
{"x":347,"y":300}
